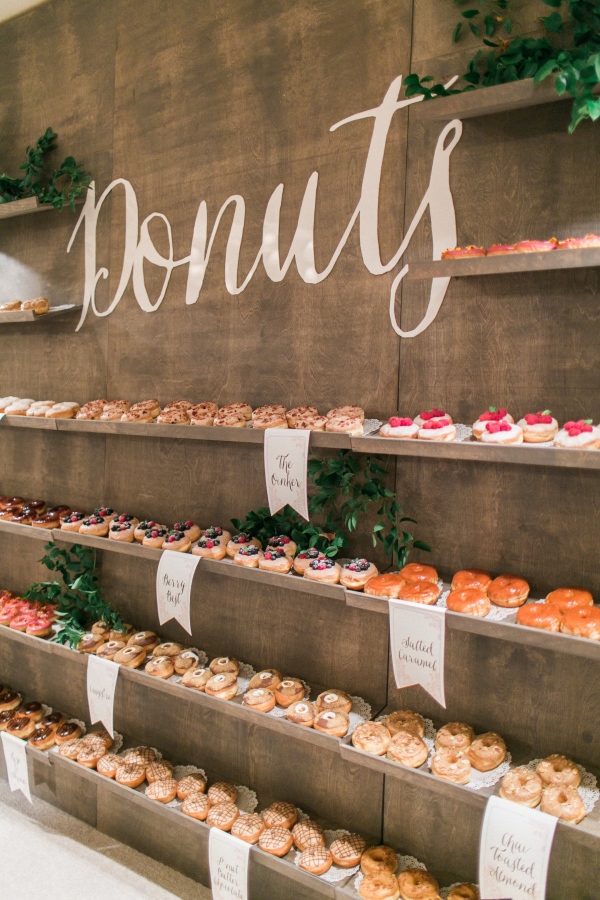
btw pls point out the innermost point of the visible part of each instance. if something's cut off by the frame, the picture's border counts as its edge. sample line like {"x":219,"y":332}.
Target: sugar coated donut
{"x":540,"y":615}
{"x":559,"y":770}
{"x":472,"y":601}
{"x":523,"y":786}
{"x":508,"y":591}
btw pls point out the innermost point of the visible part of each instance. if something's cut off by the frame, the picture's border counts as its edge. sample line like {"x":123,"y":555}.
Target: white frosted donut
{"x":508,"y":434}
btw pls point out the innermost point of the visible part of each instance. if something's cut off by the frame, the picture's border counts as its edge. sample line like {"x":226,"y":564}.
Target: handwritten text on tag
{"x":174,"y":587}
{"x":15,"y":756}
{"x":228,"y":862}
{"x":418,"y":643}
{"x":514,"y":853}
{"x":102,"y":677}
{"x":286,"y":456}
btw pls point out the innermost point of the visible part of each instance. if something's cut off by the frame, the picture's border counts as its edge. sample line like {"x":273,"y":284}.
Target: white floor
{"x":49,"y":853}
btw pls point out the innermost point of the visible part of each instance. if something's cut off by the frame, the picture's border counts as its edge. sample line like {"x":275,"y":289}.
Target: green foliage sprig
{"x":345,"y":489}
{"x":574,"y":60}
{"x":76,"y":595}
{"x":60,"y":186}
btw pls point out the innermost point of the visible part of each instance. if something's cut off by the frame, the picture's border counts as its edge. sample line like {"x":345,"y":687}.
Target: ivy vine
{"x":57,"y":187}
{"x":76,"y":594}
{"x":344,"y":490}
{"x":569,"y":51}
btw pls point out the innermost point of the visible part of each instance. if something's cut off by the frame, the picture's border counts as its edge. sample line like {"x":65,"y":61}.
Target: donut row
{"x":48,"y":409}
{"x":29,"y":616}
{"x":553,"y":786}
{"x":497,"y":426}
{"x":39,"y":305}
{"x":30,"y":722}
{"x":590,"y":240}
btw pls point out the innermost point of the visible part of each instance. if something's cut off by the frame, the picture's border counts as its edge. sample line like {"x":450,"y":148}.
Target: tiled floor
{"x":49,"y":853}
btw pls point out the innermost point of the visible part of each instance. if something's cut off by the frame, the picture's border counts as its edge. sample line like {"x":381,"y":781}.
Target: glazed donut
{"x":356,"y":573}
{"x":378,"y":859}
{"x":108,"y":765}
{"x":158,"y":771}
{"x":302,"y":712}
{"x":388,"y":585}
{"x":147,"y":640}
{"x":224,"y":664}
{"x":538,"y":427}
{"x":559,"y":770}
{"x":248,"y":555}
{"x":68,"y":731}
{"x":222,"y":816}
{"x":248,"y":828}
{"x":275,"y":559}
{"x":316,"y":860}
{"x":223,"y":686}
{"x":131,"y":656}
{"x":154,"y":537}
{"x":471,"y":601}
{"x":193,"y":783}
{"x":417,"y":884}
{"x":152,"y":405}
{"x":333,"y":723}
{"x":583,"y":621}
{"x":300,"y":412}
{"x":177,"y":541}
{"x":353,"y":412}
{"x":400,"y":427}
{"x":237,"y":409}
{"x":185,"y":661}
{"x":42,"y":738}
{"x":18,"y":408}
{"x":455,"y":736}
{"x":405,"y":720}
{"x":408,"y":749}
{"x":307,"y":833}
{"x":22,"y":518}
{"x":53,"y":720}
{"x":563,"y":802}
{"x":347,"y":850}
{"x":160,"y":667}
{"x":419,"y":572}
{"x":280,"y":813}
{"x":492,"y":414}
{"x":336,"y":700}
{"x":371,"y":737}
{"x":222,"y":792}
{"x":90,"y":754}
{"x":5,"y":716}
{"x":32,"y":710}
{"x":352,"y":425}
{"x":196,"y":805}
{"x":100,"y":735}
{"x":508,"y":591}
{"x":304,"y":558}
{"x":9,"y":701}
{"x":260,"y":699}
{"x":437,"y":430}
{"x":452,"y":765}
{"x":289,"y":691}
{"x":196,"y":678}
{"x":540,"y":615}
{"x":211,"y":548}
{"x":130,"y":775}
{"x":277,"y":841}
{"x":163,"y":791}
{"x":487,"y":752}
{"x":324,"y":570}
{"x":70,"y":749}
{"x":502,"y":433}
{"x":241,"y":540}
{"x":420,"y":592}
{"x":379,"y":887}
{"x":523,"y":786}
{"x":228,"y":420}
{"x":20,"y":726}
{"x":569,"y":598}
{"x":471,"y":578}
{"x":173,"y":416}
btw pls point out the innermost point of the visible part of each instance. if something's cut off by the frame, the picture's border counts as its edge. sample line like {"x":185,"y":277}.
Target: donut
{"x":431,"y":415}
{"x":158,"y":771}
{"x":581,"y":435}
{"x":196,"y":805}
{"x":408,"y":749}
{"x":538,"y":427}
{"x":275,"y":559}
{"x":277,"y":841}
{"x":356,"y":573}
{"x":280,"y":813}
{"x":224,"y":664}
{"x":223,"y":686}
{"x":240,"y":540}
{"x":200,"y":418}
{"x":131,"y":656}
{"x":53,"y":720}
{"x":468,"y":578}
{"x":463,"y":252}
{"x":267,"y":678}
{"x":270,"y":420}
{"x":10,"y":700}
{"x":207,"y":406}
{"x":248,"y":828}
{"x":316,"y":860}
{"x":163,"y":791}
{"x":351,"y":425}
{"x":108,"y":765}
{"x":346,"y":412}
{"x":333,"y":723}
{"x":569,"y":598}
{"x":222,"y":792}
{"x":147,"y":640}
{"x":500,"y":249}
{"x":558,"y":770}
{"x":247,"y":555}
{"x":169,"y":648}
{"x":178,"y":404}
{"x":101,"y":629}
{"x":379,"y":887}
{"x":237,"y":409}
{"x":113,"y":410}
{"x":100,"y":734}
{"x":177,"y":541}
{"x":152,"y":405}
{"x":590,"y":240}
{"x":307,"y":833}
{"x":68,"y":731}
{"x":417,"y":884}
{"x":214,"y":532}
{"x":378,"y":859}
{"x":210,"y":548}
{"x":173,"y":416}
{"x":405,"y":720}
{"x":300,"y":412}
{"x":400,"y":427}
{"x":540,"y":615}
{"x":508,"y":591}
{"x":523,"y":786}
{"x":140,"y":756}
{"x":90,"y":754}
{"x":105,"y":512}
{"x":121,"y":634}
{"x":347,"y":850}
{"x":289,"y":691}
{"x":32,"y":710}
{"x":371,"y":737}
{"x":302,"y":713}
{"x":452,"y":765}
{"x":193,"y":783}
{"x":196,"y":678}
{"x":260,"y":699}
{"x":122,"y":529}
{"x":388,"y":585}
{"x":501,"y":433}
{"x":583,"y":621}
{"x":492,"y":414}
{"x":563,"y":802}
{"x":145,"y":525}
{"x":18,"y":408}
{"x":471,"y":601}
{"x":20,"y":726}
{"x":40,"y":305}
{"x":185,"y":661}
{"x":419,"y":572}
{"x":140,"y":416}
{"x":154,"y":537}
{"x":130,"y":774}
{"x":535,"y":246}
{"x":5,"y":716}
{"x":160,"y":667}
{"x":437,"y":430}
{"x":325,"y":570}
{"x":283,"y":542}
{"x":70,"y":749}
{"x":420,"y":592}
{"x":336,"y":700}
{"x":228,"y":420}
{"x":89,"y":642}
{"x":487,"y":752}
{"x":455,"y":736}
{"x":38,"y":410}
{"x":42,"y":738}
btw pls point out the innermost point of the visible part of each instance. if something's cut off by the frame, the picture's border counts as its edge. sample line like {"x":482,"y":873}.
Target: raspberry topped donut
{"x":580,"y":435}
{"x":400,"y":427}
{"x":106,"y":512}
{"x":188,"y":527}
{"x":500,"y":249}
{"x":178,"y":541}
{"x":123,"y":528}
{"x":285,"y":543}
{"x":95,"y":525}
{"x":501,"y":433}
{"x":275,"y":559}
{"x":143,"y":527}
{"x":437,"y":430}
{"x":463,"y":252}
{"x":154,"y":537}
{"x":304,"y":559}
{"x":492,"y":414}
{"x":325,"y":570}
{"x":431,"y":415}
{"x":356,"y":573}
{"x":590,"y":240}
{"x":536,"y":246}
{"x":72,"y":522}
{"x":210,"y":548}
{"x":538,"y":427}
{"x":248,"y":555}
{"x":242,"y":539}
{"x":215,"y":531}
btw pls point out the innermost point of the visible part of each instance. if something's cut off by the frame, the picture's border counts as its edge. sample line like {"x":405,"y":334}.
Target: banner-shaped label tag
{"x":102,"y":677}
{"x":418,"y":644}
{"x":2,"y":416}
{"x":228,"y":863}
{"x":286,"y":456}
{"x":174,"y":587}
{"x":514,"y":853}
{"x":15,"y":757}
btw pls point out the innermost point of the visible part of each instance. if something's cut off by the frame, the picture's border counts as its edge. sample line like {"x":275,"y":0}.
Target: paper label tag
{"x":15,"y":756}
{"x":174,"y":587}
{"x":102,"y":677}
{"x":228,"y":864}
{"x":514,"y":852}
{"x":418,"y":646}
{"x":286,"y":456}
{"x":2,"y":416}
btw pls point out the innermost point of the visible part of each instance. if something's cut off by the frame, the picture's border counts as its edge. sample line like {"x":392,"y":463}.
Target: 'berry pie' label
{"x":174,"y":578}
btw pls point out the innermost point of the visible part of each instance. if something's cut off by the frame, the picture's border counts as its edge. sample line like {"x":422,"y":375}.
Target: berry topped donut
{"x":492,"y":414}
{"x":210,"y":548}
{"x":538,"y":427}
{"x":356,"y":573}
{"x":215,"y":531}
{"x":285,"y":542}
{"x":72,"y":522}
{"x":437,"y":430}
{"x":501,"y":433}
{"x":177,"y":540}
{"x":190,"y":528}
{"x":106,"y":512}
{"x":399,"y":427}
{"x":582,"y":435}
{"x":248,"y":555}
{"x":304,"y":559}
{"x":500,"y":249}
{"x":143,"y":527}
{"x":240,"y":540}
{"x":122,"y":528}
{"x":95,"y":525}
{"x":590,"y":240}
{"x":432,"y":415}
{"x":325,"y":570}
{"x":535,"y":246}
{"x":154,"y":537}
{"x":275,"y":559}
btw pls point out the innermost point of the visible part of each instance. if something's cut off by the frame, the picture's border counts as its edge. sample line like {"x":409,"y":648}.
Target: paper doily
{"x":180,"y":772}
{"x":335,"y":873}
{"x":588,"y":788}
{"x":247,"y":800}
{"x":404,"y":862}
{"x":496,"y":613}
{"x":371,"y":426}
{"x":445,"y":891}
{"x":463,"y":433}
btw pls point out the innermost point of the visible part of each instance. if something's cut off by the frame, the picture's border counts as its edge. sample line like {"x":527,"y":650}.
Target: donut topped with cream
{"x":492,"y":414}
{"x":538,"y":427}
{"x":579,"y":434}
{"x":399,"y":427}
{"x":432,"y":415}
{"x":503,"y":432}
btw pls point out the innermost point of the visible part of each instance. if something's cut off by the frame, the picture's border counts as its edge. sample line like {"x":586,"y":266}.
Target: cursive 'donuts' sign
{"x":139,"y":247}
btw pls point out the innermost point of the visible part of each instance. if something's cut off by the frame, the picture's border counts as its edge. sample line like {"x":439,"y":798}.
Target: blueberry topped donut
{"x":248,"y":555}
{"x":215,"y":531}
{"x":95,"y":525}
{"x":154,"y":537}
{"x":275,"y":559}
{"x":106,"y":512}
{"x":282,"y":540}
{"x":122,"y":528}
{"x":210,"y":548}
{"x":325,"y":570}
{"x":72,"y":522}
{"x":190,"y":528}
{"x":143,"y":527}
{"x":240,"y":540}
{"x":356,"y":573}
{"x":177,"y":540}
{"x":304,"y":559}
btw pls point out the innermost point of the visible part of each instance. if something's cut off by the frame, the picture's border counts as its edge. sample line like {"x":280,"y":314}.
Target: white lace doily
{"x":496,"y":613}
{"x":463,"y":433}
{"x":247,"y":800}
{"x":404,"y":862}
{"x":371,"y":426}
{"x":334,"y":873}
{"x":481,"y":780}
{"x":180,"y":772}
{"x":588,"y":788}
{"x":445,"y":891}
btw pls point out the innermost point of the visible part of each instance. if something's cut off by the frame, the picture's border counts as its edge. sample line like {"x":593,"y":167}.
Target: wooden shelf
{"x":28,"y":315}
{"x":487,"y":101}
{"x":27,"y":206}
{"x":550,"y":260}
